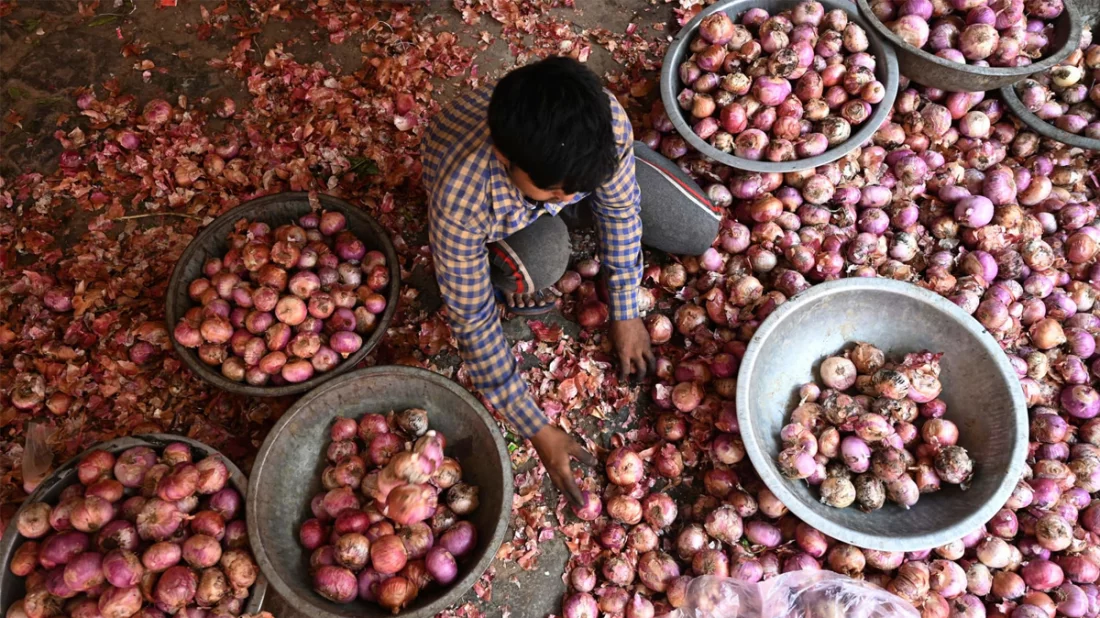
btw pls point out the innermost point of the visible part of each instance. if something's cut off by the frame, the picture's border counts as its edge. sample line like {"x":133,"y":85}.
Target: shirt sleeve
{"x":462,"y":269}
{"x":617,"y":209}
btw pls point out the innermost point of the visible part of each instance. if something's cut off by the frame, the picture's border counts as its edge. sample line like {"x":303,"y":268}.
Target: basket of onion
{"x":145,"y":526}
{"x":1063,"y":103}
{"x":975,"y":45}
{"x":779,"y":86}
{"x":282,"y":293}
{"x":384,"y":491}
{"x":892,"y":448}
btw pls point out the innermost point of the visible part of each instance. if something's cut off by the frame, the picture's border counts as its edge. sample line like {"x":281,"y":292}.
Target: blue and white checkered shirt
{"x":473,"y":203}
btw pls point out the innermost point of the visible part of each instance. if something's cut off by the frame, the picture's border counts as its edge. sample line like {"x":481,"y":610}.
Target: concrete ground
{"x":52,"y":47}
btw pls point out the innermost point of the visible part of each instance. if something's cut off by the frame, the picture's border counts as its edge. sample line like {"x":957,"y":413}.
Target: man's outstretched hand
{"x":633,"y":347}
{"x":555,"y":447}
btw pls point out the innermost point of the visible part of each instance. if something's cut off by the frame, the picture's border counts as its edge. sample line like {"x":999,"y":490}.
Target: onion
{"x":717,"y":28}
{"x":442,"y":566}
{"x":122,"y":568}
{"x":838,"y":373}
{"x":581,"y":605}
{"x":84,"y":572}
{"x":460,"y":539}
{"x":462,"y":498}
{"x":158,"y":520}
{"x":336,"y":584}
{"x":618,"y":571}
{"x":353,"y":550}
{"x":1042,"y":574}
{"x":724,"y":524}
{"x":592,"y":507}
{"x":33,"y":520}
{"x":624,"y":467}
{"x":175,"y":588}
{"x":418,"y":539}
{"x":118,"y":602}
{"x":624,"y":509}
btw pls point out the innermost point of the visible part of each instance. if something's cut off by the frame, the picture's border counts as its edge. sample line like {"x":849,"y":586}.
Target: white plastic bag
{"x":799,"y":594}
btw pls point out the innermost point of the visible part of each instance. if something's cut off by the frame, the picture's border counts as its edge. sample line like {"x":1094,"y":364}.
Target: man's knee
{"x":702,"y":236}
{"x":555,"y":263}
{"x":677,"y":217}
{"x":536,"y":256}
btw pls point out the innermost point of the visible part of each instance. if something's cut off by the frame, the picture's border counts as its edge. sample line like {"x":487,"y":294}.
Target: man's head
{"x":551,"y":124}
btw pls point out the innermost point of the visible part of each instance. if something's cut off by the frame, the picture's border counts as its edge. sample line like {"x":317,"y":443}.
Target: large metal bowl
{"x":11,"y":587}
{"x":886,"y":71}
{"x":931,"y":70}
{"x":276,"y":210}
{"x":288,"y":470}
{"x":982,"y":393}
{"x":1042,"y":127}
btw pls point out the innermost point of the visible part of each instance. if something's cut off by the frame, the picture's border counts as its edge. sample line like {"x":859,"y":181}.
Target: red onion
{"x":592,"y":508}
{"x":33,"y":520}
{"x":618,"y":571}
{"x":94,"y":466}
{"x":580,"y":605}
{"x":691,"y":540}
{"x":119,"y":602}
{"x":1042,"y":574}
{"x":657,"y":570}
{"x":460,"y":539}
{"x":624,"y":509}
{"x":336,"y":584}
{"x":624,"y":467}
{"x":725,"y":525}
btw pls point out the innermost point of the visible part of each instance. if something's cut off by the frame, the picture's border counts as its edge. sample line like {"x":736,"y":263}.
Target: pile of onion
{"x":1067,"y":96}
{"x":777,"y":87}
{"x":952,"y":194}
{"x":142,"y":534}
{"x":283,"y":305}
{"x":390,"y":520}
{"x":999,"y":33}
{"x":875,"y":431}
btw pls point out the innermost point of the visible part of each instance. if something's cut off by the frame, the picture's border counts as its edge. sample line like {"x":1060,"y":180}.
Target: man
{"x":506,"y":168}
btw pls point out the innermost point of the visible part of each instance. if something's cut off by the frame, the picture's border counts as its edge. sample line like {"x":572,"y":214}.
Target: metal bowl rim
{"x":1042,"y":127}
{"x":766,"y":467}
{"x":670,"y":78}
{"x":966,"y":69}
{"x":457,"y":588}
{"x":12,"y":538}
{"x":174,"y":313}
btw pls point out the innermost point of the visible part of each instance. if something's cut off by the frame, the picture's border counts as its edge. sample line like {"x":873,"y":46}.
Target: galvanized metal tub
{"x":886,"y":71}
{"x":275,"y":210}
{"x":288,"y":470}
{"x":11,"y":587}
{"x":982,"y":392}
{"x":931,"y":70}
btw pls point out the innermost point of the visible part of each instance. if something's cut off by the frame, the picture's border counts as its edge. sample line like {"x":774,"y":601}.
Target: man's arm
{"x":462,"y":269}
{"x":617,"y":208}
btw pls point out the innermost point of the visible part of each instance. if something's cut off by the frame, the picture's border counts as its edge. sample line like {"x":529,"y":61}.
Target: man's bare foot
{"x":542,"y":298}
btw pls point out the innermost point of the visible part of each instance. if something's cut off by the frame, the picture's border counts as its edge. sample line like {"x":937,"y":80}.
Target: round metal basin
{"x":287,"y":473}
{"x":982,"y":393}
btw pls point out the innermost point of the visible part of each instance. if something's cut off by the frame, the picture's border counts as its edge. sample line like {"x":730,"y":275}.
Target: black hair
{"x":552,"y":119}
